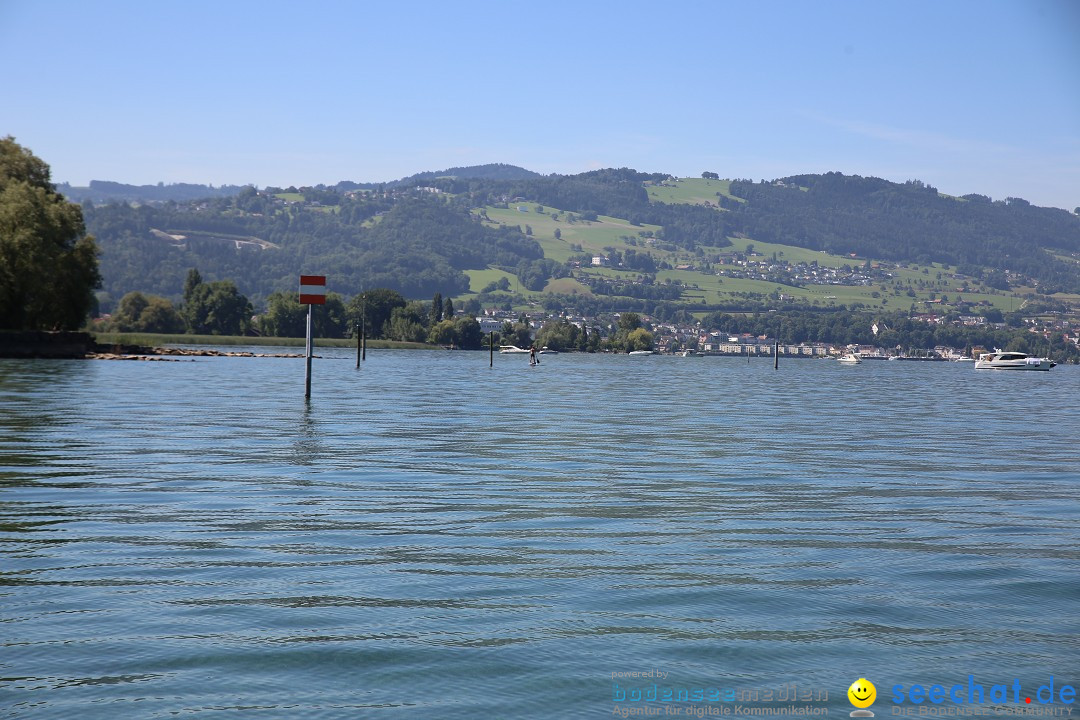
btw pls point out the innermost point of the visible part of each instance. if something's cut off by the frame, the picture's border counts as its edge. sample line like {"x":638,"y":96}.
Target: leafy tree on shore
{"x":375,"y":307}
{"x":639,"y":339}
{"x":519,"y":334}
{"x":330,"y":320}
{"x":48,"y":265}
{"x":217,"y":308}
{"x":284,"y":316}
{"x":436,"y":308}
{"x":146,"y":314}
{"x":406,"y":323}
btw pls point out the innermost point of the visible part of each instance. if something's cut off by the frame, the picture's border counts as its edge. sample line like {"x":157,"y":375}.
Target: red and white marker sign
{"x":312,"y":289}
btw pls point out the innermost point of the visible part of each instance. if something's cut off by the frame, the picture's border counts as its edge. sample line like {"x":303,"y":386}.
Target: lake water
{"x":433,"y":538}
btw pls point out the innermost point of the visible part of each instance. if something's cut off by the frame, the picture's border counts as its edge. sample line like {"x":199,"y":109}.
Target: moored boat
{"x":1011,"y":360}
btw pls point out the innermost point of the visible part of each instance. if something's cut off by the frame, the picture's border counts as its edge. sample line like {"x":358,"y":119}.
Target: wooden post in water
{"x":776,"y":354}
{"x":491,"y":348}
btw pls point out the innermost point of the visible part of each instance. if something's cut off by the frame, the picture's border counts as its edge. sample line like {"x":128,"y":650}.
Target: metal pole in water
{"x":491,"y":348}
{"x":363,"y":328}
{"x":358,"y":346}
{"x":776,"y":355}
{"x":307,"y":374}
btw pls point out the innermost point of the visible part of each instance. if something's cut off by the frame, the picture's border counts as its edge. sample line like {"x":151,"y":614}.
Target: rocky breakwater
{"x":173,"y":354}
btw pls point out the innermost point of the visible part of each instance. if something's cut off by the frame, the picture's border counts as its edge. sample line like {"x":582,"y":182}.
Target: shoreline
{"x":163,"y":340}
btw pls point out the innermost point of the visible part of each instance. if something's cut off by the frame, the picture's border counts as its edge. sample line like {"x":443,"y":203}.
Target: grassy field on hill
{"x":691,"y":191}
{"x":928,"y":282}
{"x":478,"y":279}
{"x":593,"y":237}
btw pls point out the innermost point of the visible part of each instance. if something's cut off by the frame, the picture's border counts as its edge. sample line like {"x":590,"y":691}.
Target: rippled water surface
{"x":433,"y":538}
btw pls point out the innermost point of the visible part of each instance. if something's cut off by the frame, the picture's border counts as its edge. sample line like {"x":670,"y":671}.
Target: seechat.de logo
{"x":862,"y":695}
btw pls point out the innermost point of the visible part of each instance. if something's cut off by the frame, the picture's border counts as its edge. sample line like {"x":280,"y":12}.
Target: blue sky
{"x":966,"y":96}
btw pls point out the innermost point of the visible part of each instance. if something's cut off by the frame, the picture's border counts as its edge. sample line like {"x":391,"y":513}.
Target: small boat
{"x":511,"y":350}
{"x":690,"y":353}
{"x":850,"y":359}
{"x":547,"y":351}
{"x":999,"y":360}
{"x":640,"y":352}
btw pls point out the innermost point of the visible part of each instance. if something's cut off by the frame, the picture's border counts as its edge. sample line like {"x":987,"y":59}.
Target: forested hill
{"x":416,"y":246}
{"x":104,"y":191}
{"x":911,"y":222}
{"x":491,"y":171}
{"x":419,"y":237}
{"x":841,"y":214}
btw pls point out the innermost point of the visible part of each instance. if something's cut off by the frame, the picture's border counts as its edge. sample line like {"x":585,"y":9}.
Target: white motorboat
{"x":640,"y":352}
{"x":1007,"y":360}
{"x":690,"y":353}
{"x":849,"y":359}
{"x":512,"y":350}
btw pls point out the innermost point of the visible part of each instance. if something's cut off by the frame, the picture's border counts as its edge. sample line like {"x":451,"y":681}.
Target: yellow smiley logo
{"x":862,"y":693}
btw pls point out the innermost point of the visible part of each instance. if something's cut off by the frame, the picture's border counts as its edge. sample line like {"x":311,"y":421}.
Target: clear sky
{"x":968,"y":96}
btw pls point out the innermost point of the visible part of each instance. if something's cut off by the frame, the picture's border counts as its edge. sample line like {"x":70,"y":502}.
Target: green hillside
{"x":691,"y":191}
{"x":809,"y":242}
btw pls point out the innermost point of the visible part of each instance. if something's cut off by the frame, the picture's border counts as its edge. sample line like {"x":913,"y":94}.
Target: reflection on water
{"x":430,"y":537}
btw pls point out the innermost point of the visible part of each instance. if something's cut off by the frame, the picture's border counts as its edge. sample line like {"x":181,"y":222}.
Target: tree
{"x":443,"y":333}
{"x":519,"y":334}
{"x":217,"y":308}
{"x":330,"y":319}
{"x":469,"y":334}
{"x":48,"y":265}
{"x":448,"y":309}
{"x":284,"y":316}
{"x":406,"y":323}
{"x":559,"y":335}
{"x":710,"y":175}
{"x":149,"y":314}
{"x":629,"y":321}
{"x":192,"y":281}
{"x":436,"y":308}
{"x":376,"y":307}
{"x":159,"y":316}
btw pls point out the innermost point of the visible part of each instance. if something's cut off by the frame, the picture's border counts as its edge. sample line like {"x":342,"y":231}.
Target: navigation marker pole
{"x":312,"y":292}
{"x":307,"y":372}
